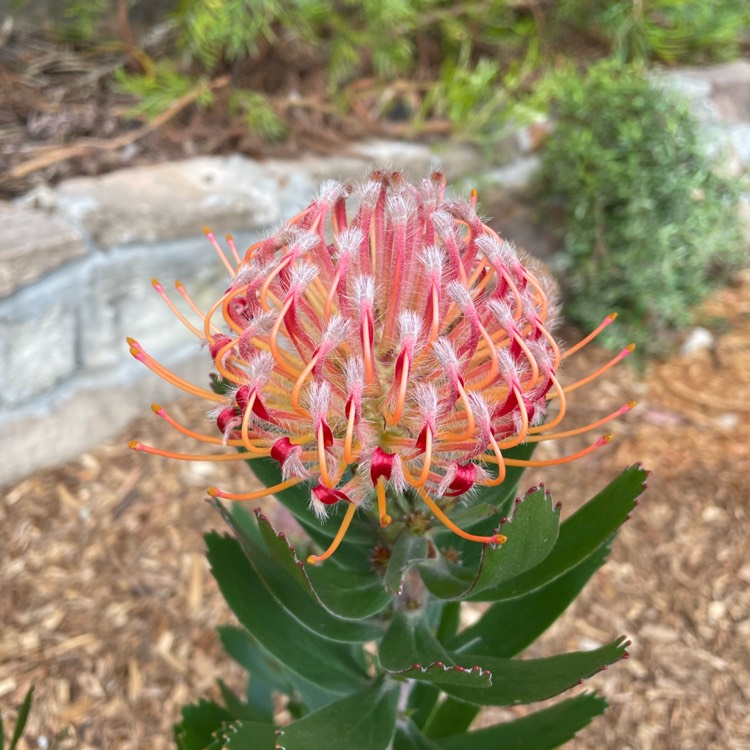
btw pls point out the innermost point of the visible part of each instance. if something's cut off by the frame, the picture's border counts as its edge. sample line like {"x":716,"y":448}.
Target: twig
{"x":81,"y":148}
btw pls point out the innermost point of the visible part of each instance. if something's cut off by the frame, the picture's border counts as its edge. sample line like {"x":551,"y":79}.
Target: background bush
{"x":647,"y":225}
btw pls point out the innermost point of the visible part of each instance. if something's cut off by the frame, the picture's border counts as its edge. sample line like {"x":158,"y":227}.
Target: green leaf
{"x":422,"y":700}
{"x":450,"y":717}
{"x":580,"y":535}
{"x":408,"y":641}
{"x":365,"y":721}
{"x":405,"y":554}
{"x":348,"y":593}
{"x":446,"y":675}
{"x":243,"y":735}
{"x":21,"y":719}
{"x":502,"y":497}
{"x":509,"y":626}
{"x":236,"y":706}
{"x":542,"y":730}
{"x":199,"y":725}
{"x":531,"y":532}
{"x":410,"y":650}
{"x":282,"y":574}
{"x":313,"y":658}
{"x":517,"y":681}
{"x":409,"y":737}
{"x":246,"y":651}
{"x":362,"y":536}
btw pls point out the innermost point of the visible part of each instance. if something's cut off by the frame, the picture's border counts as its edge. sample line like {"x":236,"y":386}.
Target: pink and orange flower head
{"x":384,"y":340}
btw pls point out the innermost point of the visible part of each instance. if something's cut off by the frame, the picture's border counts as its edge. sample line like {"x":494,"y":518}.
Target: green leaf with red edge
{"x":276,"y":564}
{"x":405,"y":554}
{"x":362,"y":536}
{"x":502,"y":497}
{"x":410,"y":650}
{"x":243,"y":735}
{"x":200,"y":724}
{"x":510,"y":625}
{"x":365,"y":720}
{"x":516,"y":681}
{"x":590,"y":527}
{"x":320,"y":661}
{"x":531,"y":532}
{"x":349,"y":595}
{"x":446,"y":675}
{"x":543,"y":730}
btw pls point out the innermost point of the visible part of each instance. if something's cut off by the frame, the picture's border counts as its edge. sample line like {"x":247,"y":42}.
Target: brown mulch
{"x":108,"y":607}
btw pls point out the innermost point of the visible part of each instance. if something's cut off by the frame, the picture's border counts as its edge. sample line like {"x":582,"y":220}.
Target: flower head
{"x":384,"y":340}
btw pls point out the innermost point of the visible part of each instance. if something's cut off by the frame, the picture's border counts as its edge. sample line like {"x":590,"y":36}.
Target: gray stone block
{"x":170,"y":201}
{"x":84,"y":412}
{"x":37,"y":350}
{"x":34,"y":244}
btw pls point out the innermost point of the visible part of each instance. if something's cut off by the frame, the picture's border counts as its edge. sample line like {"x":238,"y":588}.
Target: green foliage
{"x":364,"y":656}
{"x":160,"y":88}
{"x":258,"y":114}
{"x":648,"y":224}
{"x":20,"y":724}
{"x":674,"y":31}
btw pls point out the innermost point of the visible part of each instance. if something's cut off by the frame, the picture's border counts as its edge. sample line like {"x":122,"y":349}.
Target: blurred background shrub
{"x":648,"y":225}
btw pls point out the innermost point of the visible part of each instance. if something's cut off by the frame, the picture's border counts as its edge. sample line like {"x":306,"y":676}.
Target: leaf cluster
{"x":647,"y":222}
{"x":366,"y":650}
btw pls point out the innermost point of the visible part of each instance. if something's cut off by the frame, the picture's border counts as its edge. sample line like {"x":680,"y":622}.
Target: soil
{"x":109,"y":608}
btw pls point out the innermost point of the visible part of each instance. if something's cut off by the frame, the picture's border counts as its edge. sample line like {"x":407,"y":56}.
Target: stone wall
{"x":76,"y":262}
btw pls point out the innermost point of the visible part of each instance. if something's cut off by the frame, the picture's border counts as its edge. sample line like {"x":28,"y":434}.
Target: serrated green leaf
{"x":408,"y":641}
{"x":21,"y":719}
{"x":531,"y":532}
{"x":313,"y":658}
{"x":502,"y":497}
{"x":585,"y":531}
{"x":446,"y":579}
{"x":542,"y":730}
{"x":410,"y":650}
{"x":446,"y":675}
{"x":365,"y":720}
{"x":247,"y":735}
{"x":516,"y":681}
{"x":348,"y":594}
{"x":282,"y":575}
{"x":509,"y":626}
{"x":361,"y":537}
{"x":409,"y":737}
{"x":405,"y":554}
{"x":200,"y":723}
{"x":363,"y":592}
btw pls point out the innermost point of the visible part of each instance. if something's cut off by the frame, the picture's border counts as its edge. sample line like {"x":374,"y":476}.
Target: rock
{"x":34,"y":244}
{"x":698,"y":340}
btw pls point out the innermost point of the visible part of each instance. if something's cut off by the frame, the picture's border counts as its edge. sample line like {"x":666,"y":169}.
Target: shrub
{"x":648,"y":225}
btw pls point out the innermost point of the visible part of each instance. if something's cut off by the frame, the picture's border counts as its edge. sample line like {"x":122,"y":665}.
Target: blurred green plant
{"x":649,"y":225}
{"x":20,"y":724}
{"x":673,"y":31}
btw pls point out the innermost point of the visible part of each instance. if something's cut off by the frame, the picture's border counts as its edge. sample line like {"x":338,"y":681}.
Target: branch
{"x":81,"y":148}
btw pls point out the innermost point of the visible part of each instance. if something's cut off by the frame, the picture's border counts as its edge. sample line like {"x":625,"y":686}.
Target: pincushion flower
{"x":385,"y":340}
